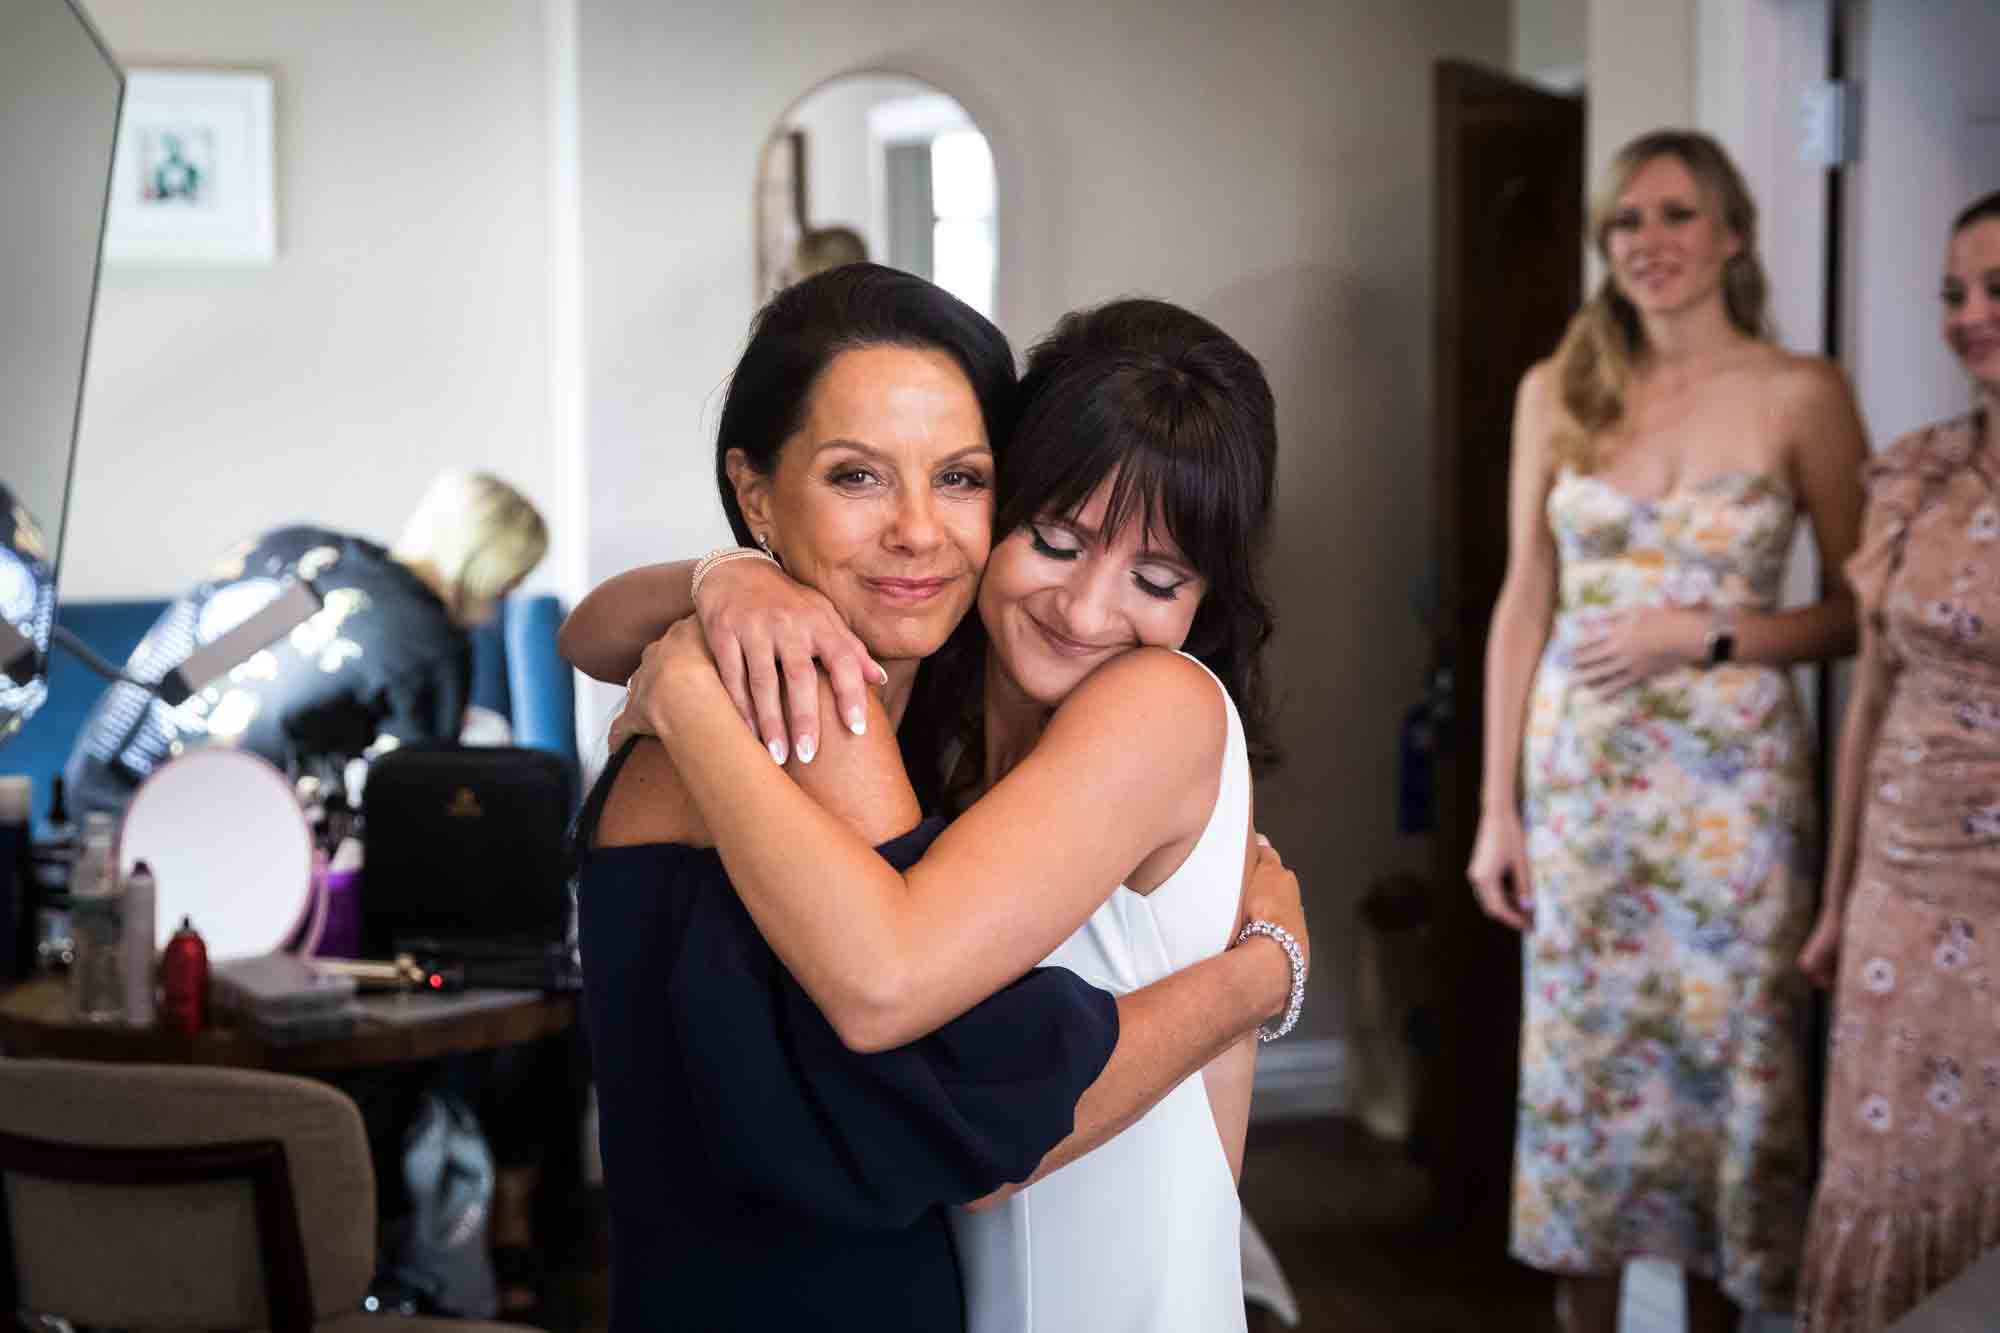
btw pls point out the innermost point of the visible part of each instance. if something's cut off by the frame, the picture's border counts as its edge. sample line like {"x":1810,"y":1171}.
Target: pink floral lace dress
{"x":1909,"y":1189}
{"x":1669,"y":824}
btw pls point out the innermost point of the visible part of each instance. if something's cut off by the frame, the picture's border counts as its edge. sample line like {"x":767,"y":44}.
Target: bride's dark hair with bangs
{"x":1180,"y":418}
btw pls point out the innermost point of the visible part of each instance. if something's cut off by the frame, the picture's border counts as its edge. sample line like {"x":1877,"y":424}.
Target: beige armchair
{"x":184,"y":1197}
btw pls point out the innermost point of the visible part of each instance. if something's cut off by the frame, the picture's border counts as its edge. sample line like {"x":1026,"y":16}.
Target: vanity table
{"x":35,"y":1023}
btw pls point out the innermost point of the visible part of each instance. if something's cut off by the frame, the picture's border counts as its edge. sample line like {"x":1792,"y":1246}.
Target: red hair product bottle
{"x":184,"y":981}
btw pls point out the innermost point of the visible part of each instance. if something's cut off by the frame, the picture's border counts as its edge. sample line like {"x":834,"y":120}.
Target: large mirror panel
{"x":59,"y":97}
{"x":881,"y":167}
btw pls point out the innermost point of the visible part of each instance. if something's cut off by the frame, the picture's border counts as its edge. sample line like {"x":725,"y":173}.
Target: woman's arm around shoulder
{"x":1127,"y":765}
{"x":768,"y":633}
{"x":605,"y":633}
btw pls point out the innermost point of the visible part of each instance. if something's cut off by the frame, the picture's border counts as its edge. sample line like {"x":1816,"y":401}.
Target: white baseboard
{"x":1303,"y":1078}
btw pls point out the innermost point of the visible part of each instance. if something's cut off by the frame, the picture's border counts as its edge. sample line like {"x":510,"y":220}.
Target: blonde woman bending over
{"x":1647,"y":805}
{"x":387,"y":660}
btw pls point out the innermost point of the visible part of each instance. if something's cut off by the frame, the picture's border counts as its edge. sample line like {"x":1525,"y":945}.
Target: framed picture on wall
{"x":192,"y":181}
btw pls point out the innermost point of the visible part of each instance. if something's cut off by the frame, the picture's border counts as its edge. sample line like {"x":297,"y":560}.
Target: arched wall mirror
{"x":881,"y":167}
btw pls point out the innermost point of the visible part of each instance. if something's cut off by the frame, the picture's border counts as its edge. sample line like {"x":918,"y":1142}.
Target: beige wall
{"x":403,"y":328}
{"x":1641,"y":59}
{"x":1271,"y":169}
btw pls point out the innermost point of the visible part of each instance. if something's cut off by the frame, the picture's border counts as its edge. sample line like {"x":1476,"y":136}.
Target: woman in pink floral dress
{"x":1648,"y":780}
{"x":1909,"y":1191}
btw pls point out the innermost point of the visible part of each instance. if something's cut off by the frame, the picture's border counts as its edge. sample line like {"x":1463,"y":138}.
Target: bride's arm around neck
{"x":1128,"y":765}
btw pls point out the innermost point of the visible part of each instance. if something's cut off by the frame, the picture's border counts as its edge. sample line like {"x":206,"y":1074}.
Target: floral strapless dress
{"x":1670,"y":841}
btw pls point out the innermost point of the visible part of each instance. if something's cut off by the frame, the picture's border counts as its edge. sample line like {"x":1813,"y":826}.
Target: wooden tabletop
{"x":35,"y":1023}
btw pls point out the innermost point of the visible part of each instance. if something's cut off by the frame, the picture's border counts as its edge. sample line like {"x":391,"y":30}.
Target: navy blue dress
{"x":760,"y":1175}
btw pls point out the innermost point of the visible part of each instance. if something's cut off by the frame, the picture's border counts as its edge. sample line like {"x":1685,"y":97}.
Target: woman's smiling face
{"x":1666,"y":241}
{"x":1971,"y":298}
{"x":1061,"y":596}
{"x":883,"y":498}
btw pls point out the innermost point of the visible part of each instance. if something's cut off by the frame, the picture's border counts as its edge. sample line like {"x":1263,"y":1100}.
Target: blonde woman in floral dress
{"x":1647,"y":803}
{"x":1909,"y":1191}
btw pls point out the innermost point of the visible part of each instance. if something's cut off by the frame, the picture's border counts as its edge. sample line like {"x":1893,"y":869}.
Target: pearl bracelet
{"x":722,"y":555}
{"x":1297,"y":956}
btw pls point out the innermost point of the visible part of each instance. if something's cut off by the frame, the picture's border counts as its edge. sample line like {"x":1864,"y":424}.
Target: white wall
{"x":1930,"y":145}
{"x":1272,"y":170}
{"x":404,"y":327}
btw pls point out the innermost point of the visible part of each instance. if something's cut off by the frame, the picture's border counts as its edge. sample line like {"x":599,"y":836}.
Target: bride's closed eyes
{"x":1057,"y":542}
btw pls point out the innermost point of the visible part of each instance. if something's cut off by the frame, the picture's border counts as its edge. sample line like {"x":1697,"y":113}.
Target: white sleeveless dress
{"x":1144,"y":1234}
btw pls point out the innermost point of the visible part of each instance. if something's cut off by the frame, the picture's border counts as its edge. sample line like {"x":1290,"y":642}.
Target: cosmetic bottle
{"x":96,"y":983}
{"x":136,"y":955}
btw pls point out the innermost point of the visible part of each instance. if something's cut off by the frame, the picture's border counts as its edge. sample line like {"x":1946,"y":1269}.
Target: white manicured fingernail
{"x":857,"y":721}
{"x":777,"y":749}
{"x":807,"y":749}
{"x":1263,"y":841}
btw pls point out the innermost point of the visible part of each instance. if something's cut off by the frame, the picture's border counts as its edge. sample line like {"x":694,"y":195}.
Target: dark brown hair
{"x":1179,"y":418}
{"x":793,"y":339}
{"x":1979,"y":210}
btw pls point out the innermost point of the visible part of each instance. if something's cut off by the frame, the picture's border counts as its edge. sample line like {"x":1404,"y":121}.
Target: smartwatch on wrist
{"x":1722,"y":636}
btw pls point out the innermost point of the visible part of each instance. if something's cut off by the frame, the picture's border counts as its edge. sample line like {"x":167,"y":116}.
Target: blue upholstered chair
{"x":516,"y":672}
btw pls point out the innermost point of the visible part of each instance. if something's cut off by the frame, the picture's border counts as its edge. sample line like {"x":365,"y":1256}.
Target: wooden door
{"x":1510,"y":217}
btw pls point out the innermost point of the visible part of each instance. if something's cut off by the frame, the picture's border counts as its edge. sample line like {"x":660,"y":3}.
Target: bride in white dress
{"x":1160,"y":1199}
{"x":1103,"y":789}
